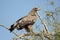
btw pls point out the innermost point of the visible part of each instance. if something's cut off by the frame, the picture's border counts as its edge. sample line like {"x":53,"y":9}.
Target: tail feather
{"x":17,"y":26}
{"x":12,"y":28}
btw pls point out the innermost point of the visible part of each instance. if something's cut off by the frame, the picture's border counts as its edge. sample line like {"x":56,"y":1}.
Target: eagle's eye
{"x":35,"y":9}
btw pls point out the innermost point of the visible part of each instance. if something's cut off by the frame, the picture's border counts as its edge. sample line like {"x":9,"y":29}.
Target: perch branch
{"x":23,"y":35}
{"x":7,"y":29}
{"x":42,"y":35}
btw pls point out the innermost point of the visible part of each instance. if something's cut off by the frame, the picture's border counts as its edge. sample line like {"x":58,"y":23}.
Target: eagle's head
{"x":35,"y":9}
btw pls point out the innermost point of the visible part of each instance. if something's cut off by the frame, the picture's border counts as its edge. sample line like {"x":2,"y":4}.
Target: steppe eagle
{"x":25,"y":22}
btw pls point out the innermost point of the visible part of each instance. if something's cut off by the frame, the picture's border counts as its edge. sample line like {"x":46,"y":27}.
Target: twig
{"x":43,"y":22}
{"x":8,"y":29}
{"x":42,"y":35}
{"x":28,"y":34}
{"x":45,"y":32}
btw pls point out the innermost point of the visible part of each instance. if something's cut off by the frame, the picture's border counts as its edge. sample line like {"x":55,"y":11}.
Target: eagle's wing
{"x":27,"y":20}
{"x":16,"y":24}
{"x":23,"y":22}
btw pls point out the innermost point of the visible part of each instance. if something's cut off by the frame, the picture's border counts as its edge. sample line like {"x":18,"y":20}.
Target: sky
{"x":12,"y":10}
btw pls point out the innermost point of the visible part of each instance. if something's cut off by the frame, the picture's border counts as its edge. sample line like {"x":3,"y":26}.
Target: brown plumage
{"x":25,"y":22}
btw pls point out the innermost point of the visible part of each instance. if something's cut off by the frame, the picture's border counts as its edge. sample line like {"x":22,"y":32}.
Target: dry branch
{"x":7,"y":29}
{"x":43,"y":22}
{"x":23,"y":35}
{"x":42,"y":35}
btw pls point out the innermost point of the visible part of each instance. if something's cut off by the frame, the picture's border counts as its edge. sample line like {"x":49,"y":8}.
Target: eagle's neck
{"x":32,"y":13}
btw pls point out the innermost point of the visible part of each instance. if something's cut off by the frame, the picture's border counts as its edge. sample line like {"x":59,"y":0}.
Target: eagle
{"x":25,"y":22}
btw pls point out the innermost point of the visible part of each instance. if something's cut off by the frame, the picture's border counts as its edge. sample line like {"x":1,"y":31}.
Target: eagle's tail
{"x":12,"y":28}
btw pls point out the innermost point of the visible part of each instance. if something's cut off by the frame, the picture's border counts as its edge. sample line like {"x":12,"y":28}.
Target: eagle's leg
{"x":30,"y":28}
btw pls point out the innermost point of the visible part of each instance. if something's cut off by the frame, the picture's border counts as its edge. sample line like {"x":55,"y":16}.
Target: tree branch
{"x":43,"y":22}
{"x":7,"y":29}
{"x":42,"y":35}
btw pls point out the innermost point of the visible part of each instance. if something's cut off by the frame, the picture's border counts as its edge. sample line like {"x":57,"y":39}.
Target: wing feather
{"x":27,"y":20}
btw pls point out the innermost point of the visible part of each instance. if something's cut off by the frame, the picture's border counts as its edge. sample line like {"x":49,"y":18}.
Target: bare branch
{"x":7,"y":29}
{"x":43,"y":22}
{"x":23,"y":35}
{"x":42,"y":35}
